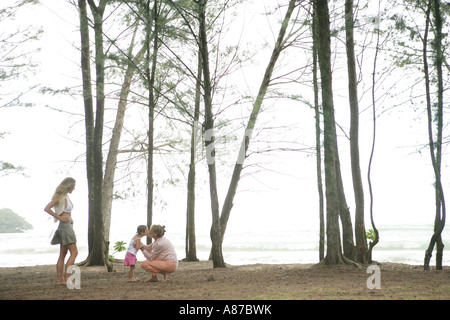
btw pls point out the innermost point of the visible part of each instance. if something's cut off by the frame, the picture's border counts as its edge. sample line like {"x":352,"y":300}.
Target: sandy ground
{"x":200,"y":281}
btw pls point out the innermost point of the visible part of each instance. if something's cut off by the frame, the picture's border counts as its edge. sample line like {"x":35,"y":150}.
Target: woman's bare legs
{"x":60,"y":264}
{"x":73,"y":254}
{"x":165,"y":275}
{"x":156,"y":266}
{"x":154,"y":277}
{"x":72,"y":248}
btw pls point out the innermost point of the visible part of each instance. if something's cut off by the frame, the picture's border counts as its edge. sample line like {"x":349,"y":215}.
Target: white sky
{"x":42,"y":140}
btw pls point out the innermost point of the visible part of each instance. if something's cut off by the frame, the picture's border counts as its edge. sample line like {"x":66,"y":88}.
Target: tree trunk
{"x":435,"y":147}
{"x":98,"y":251}
{"x":97,"y":254}
{"x":344,"y":212}
{"x":375,"y":241}
{"x":318,"y":137}
{"x":88,"y":111}
{"x":216,"y":250}
{"x":151,"y":107}
{"x":191,"y":250}
{"x":279,"y":46}
{"x":111,"y":161}
{"x":360,"y":229}
{"x":440,"y":210}
{"x":334,"y":251}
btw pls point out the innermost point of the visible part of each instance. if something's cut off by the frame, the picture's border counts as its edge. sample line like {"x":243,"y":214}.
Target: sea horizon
{"x":398,"y":244}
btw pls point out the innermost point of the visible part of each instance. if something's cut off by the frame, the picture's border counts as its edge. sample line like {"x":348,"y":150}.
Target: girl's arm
{"x":139,"y":244}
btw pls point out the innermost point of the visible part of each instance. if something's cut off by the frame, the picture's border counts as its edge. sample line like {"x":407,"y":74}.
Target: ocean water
{"x":398,"y":244}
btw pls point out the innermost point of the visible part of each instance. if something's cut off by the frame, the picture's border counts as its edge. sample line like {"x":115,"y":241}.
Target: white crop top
{"x":63,"y":207}
{"x":132,"y":246}
{"x":69,"y":205}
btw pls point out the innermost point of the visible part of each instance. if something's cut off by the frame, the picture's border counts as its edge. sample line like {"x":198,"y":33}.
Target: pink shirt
{"x":161,"y":249}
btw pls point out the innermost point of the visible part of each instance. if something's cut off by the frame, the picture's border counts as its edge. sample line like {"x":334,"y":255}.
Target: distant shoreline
{"x":398,"y":245}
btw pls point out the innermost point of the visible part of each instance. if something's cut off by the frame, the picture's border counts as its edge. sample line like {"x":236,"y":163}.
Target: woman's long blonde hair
{"x":67,"y":185}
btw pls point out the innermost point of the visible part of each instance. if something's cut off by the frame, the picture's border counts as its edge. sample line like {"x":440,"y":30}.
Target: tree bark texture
{"x":216,"y":247}
{"x":360,"y":230}
{"x":151,"y":78}
{"x":279,"y":46}
{"x":88,"y":110}
{"x":98,"y":251}
{"x":334,"y":251}
{"x":219,"y":223}
{"x":318,"y":137}
{"x":111,"y":160}
{"x":435,"y":146}
{"x":191,"y":250}
{"x":374,"y":241}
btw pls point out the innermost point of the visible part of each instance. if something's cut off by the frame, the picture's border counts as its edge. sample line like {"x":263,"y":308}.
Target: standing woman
{"x":64,"y":235}
{"x":161,"y":255}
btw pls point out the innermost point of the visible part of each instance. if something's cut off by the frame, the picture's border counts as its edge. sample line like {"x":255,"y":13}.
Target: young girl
{"x":135,"y":245}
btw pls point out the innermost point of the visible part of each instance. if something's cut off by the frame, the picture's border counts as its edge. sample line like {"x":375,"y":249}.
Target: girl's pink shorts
{"x":130,"y":259}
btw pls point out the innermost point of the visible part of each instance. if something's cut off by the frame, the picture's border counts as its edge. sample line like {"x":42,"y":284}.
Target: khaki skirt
{"x":64,"y":234}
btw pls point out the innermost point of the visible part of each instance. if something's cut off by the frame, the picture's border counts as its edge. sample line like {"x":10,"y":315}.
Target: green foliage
{"x":370,"y":234}
{"x":11,"y":222}
{"x":6,"y":167}
{"x":15,"y":40}
{"x":119,"y":246}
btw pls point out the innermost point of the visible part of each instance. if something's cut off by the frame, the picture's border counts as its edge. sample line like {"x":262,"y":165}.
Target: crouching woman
{"x":161,"y":256}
